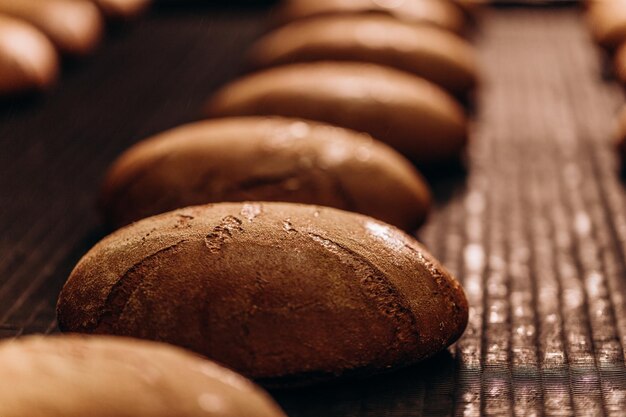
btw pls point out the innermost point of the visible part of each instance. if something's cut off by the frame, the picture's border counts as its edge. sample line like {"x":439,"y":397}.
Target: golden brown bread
{"x":28,"y":61}
{"x":73,"y":26}
{"x":607,"y":22}
{"x":283,"y":293}
{"x":426,"y":51}
{"x":78,"y":376}
{"x":440,"y":13}
{"x":414,"y":116}
{"x":267,"y":159}
{"x":122,"y":9}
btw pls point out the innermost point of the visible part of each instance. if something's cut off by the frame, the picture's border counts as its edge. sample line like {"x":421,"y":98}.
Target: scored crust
{"x":279,"y":292}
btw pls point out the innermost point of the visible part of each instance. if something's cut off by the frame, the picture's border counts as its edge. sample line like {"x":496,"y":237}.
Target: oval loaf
{"x":441,"y":13}
{"x":73,"y":26}
{"x":264,"y":159}
{"x":412,"y":115}
{"x":286,"y":294}
{"x":122,"y":9}
{"x":78,"y":376}
{"x":426,"y":51}
{"x":607,"y":22}
{"x":28,"y":61}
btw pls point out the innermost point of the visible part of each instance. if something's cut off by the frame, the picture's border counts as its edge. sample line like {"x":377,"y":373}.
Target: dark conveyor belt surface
{"x":536,"y":231}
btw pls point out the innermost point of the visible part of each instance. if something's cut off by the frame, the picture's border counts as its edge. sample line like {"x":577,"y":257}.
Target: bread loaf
{"x":409,"y":113}
{"x":76,"y":376}
{"x":269,"y":159}
{"x":426,"y":51}
{"x":28,"y":61}
{"x":471,"y":7}
{"x":73,"y":26}
{"x":286,"y":294}
{"x":441,"y":13}
{"x":607,"y":22}
{"x":122,"y":9}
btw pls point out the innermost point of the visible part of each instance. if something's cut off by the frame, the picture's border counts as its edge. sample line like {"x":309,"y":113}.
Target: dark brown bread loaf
{"x":73,"y":26}
{"x":283,"y":293}
{"x":264,"y":159}
{"x":78,"y":376}
{"x":441,"y":13}
{"x":607,"y":22}
{"x":122,"y":9}
{"x":409,"y":113}
{"x":426,"y":51}
{"x":28,"y":60}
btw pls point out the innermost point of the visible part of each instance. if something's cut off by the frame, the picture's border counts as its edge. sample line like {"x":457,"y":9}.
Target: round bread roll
{"x":73,"y":26}
{"x":78,"y":376}
{"x":434,"y":54}
{"x":123,"y":9}
{"x":607,"y":22}
{"x":440,"y":13}
{"x":284,"y":293}
{"x":28,"y":61}
{"x":409,"y":113}
{"x":264,"y":159}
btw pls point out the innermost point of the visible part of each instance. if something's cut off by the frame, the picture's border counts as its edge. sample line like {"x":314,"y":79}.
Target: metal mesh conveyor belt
{"x":536,"y":230}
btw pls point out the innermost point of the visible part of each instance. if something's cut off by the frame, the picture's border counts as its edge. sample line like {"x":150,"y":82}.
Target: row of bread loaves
{"x":34,"y":32}
{"x":264,"y":264}
{"x":339,"y":103}
{"x":268,"y":238}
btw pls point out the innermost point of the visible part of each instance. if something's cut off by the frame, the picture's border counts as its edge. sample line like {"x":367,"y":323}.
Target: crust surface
{"x":267,"y":159}
{"x":412,"y":115}
{"x":273,"y":290}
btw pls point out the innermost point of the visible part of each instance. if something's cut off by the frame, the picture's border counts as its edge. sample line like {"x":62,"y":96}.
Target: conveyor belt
{"x":536,"y":230}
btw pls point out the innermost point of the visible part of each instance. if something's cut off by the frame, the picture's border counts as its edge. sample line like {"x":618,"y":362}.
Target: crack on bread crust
{"x":123,"y":290}
{"x":378,"y":288}
{"x":222,"y":233}
{"x":251,"y":211}
{"x":450,"y":288}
